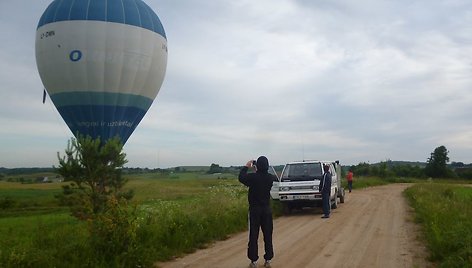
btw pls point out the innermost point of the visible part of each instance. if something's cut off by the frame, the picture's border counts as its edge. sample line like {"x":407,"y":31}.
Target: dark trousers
{"x":349,"y":185}
{"x":326,"y":203}
{"x":260,"y":217}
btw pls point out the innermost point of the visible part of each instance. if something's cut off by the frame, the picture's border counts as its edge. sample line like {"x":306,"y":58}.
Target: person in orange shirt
{"x":349,"y":177}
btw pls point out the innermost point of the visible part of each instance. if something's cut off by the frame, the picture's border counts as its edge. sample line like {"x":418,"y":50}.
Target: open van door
{"x":274,"y":191}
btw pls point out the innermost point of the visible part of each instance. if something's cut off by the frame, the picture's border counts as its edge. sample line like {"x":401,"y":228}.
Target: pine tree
{"x":94,"y":170}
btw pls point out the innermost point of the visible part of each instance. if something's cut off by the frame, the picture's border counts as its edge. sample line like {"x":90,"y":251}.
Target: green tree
{"x":437,"y":163}
{"x":383,"y":170}
{"x":362,"y":169}
{"x":215,"y":168}
{"x":94,"y":170}
{"x":95,"y":194}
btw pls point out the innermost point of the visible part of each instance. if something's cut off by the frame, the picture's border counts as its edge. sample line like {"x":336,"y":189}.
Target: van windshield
{"x":302,"y":172}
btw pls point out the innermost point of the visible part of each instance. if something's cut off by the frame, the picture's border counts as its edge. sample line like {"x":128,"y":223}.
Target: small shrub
{"x":113,"y":234}
{"x":448,"y":193}
{"x":7,"y":203}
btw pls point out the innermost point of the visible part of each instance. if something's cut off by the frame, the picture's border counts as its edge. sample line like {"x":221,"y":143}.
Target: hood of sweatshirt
{"x":262,"y":164}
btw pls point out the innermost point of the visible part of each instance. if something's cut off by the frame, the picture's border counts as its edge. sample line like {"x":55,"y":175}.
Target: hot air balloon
{"x":102,"y":63}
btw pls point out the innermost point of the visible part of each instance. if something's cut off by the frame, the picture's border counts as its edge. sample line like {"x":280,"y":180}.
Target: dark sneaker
{"x":325,"y":216}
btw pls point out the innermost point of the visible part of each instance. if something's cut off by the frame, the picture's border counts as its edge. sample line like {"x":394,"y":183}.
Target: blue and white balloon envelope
{"x":102,"y":63}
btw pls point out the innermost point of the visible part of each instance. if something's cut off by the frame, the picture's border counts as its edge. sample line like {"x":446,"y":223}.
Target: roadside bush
{"x":113,"y":234}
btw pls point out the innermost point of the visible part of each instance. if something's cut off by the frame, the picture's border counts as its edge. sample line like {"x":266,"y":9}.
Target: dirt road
{"x":373,"y":228}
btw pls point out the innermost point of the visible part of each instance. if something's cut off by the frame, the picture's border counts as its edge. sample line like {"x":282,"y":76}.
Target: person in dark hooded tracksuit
{"x":260,"y":212}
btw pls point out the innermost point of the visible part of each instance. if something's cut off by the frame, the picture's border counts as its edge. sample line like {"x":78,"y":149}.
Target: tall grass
{"x":42,"y":241}
{"x":168,"y":220}
{"x":445,"y":211}
{"x":182,"y":226}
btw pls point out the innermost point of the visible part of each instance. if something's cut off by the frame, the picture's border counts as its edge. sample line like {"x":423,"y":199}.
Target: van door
{"x":274,"y":191}
{"x":334,"y":179}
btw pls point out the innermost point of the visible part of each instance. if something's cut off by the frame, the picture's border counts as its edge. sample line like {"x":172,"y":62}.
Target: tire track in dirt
{"x":373,"y":228}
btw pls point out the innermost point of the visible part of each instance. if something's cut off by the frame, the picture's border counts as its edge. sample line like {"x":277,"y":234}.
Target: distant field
{"x":173,"y":186}
{"x":146,"y":187}
{"x":19,"y":199}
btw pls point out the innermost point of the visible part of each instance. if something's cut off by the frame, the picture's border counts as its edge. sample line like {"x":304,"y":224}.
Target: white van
{"x":298,"y":185}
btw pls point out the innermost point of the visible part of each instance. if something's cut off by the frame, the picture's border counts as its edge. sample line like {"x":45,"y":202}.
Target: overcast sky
{"x":355,"y":81}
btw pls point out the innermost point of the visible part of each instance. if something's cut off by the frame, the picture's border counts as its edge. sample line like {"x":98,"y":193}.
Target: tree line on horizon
{"x":436,"y":167}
